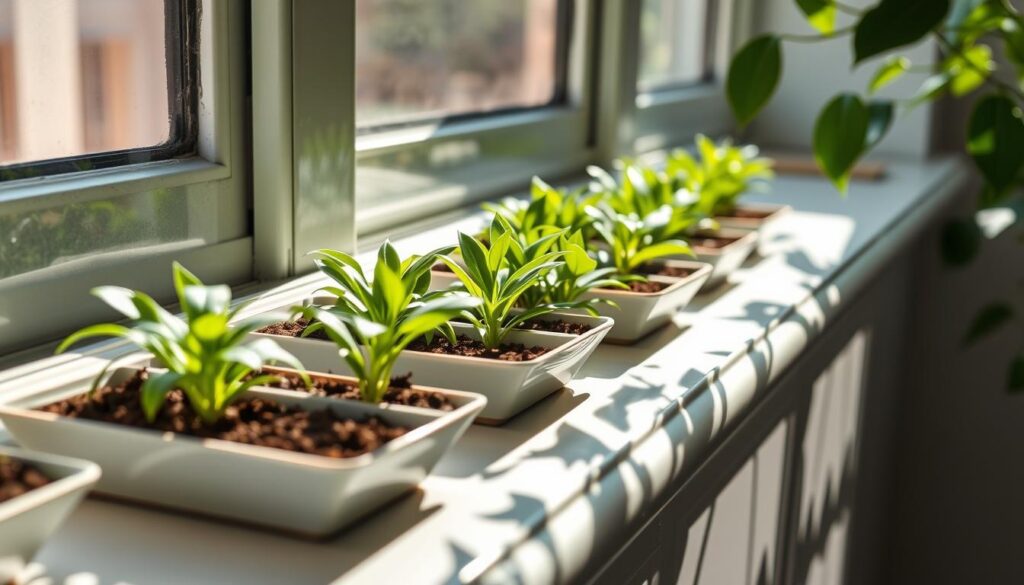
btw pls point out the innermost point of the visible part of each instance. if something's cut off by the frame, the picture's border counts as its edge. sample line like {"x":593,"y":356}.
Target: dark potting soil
{"x":291,"y":329}
{"x":18,"y":477}
{"x":664,"y":270}
{"x":711,"y":242}
{"x":556,"y":326}
{"x":400,"y":392}
{"x":745,"y":213}
{"x":252,"y":421}
{"x":650,"y":286}
{"x":464,"y":346}
{"x":442,"y":267}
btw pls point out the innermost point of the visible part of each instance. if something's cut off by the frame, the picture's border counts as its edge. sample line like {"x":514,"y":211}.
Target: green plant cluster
{"x":373,"y":320}
{"x":536,"y":257}
{"x":205,"y":357}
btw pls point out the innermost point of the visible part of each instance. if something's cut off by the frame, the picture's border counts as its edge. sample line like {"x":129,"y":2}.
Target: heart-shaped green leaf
{"x":996,"y":141}
{"x":896,"y":23}
{"x":753,"y":76}
{"x":840,"y":135}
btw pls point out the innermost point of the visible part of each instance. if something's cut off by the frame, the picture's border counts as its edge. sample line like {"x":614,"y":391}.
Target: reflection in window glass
{"x":80,"y":77}
{"x":422,"y":59}
{"x":673,"y":43}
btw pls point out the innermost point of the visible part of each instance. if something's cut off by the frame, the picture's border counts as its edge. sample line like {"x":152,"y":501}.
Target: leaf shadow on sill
{"x":126,"y":530}
{"x":484,"y":445}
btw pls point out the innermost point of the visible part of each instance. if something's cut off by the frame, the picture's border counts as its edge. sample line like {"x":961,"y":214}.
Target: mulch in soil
{"x":401,"y":390}
{"x":465,"y":346}
{"x":711,"y":242}
{"x":292,"y":329}
{"x":556,"y":326}
{"x":18,"y":477}
{"x":251,"y":421}
{"x":665,"y":270}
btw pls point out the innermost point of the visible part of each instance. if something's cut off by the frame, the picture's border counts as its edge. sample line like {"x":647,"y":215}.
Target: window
{"x":78,"y":82}
{"x":425,"y":59}
{"x":457,"y":101}
{"x":680,"y":53}
{"x":113,"y":162}
{"x":675,"y":48}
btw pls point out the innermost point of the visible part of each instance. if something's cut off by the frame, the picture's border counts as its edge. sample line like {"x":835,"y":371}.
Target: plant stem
{"x":817,"y":38}
{"x":853,"y":10}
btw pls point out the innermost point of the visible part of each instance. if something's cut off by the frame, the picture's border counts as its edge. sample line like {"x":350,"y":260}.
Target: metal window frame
{"x":41,"y":305}
{"x":182,"y":34}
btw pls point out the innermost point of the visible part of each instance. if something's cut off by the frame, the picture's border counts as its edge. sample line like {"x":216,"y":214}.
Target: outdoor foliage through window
{"x":674,"y":38}
{"x":80,"y":77}
{"x":427,"y":59}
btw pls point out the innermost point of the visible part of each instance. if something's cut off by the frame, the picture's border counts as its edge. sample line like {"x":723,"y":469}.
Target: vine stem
{"x":816,"y":38}
{"x":849,"y":9}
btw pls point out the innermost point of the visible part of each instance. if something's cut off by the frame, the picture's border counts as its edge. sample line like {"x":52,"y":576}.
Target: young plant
{"x":563,"y":286}
{"x":489,"y":277}
{"x":204,"y":356}
{"x":372,"y":321}
{"x":722,"y":174}
{"x":548,"y":208}
{"x":633,"y":242}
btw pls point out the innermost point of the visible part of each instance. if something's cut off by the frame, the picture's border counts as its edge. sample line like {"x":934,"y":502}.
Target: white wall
{"x":814,"y":72}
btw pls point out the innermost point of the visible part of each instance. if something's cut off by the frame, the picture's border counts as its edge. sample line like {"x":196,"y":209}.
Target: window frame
{"x":35,"y":307}
{"x":182,"y":29}
{"x":669,"y":116}
{"x":566,"y":148}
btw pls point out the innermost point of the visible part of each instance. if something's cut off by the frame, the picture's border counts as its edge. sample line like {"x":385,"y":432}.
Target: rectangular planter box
{"x":770,"y":212}
{"x":29,"y":519}
{"x":638,"y":314}
{"x":727,"y":259}
{"x":509,"y":387}
{"x":297,"y":492}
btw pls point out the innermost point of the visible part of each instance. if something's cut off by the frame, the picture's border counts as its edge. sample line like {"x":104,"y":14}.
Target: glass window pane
{"x":673,"y":43}
{"x":79,"y":77}
{"x":427,"y":59}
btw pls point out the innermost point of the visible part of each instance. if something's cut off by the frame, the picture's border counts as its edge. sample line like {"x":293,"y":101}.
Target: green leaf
{"x":206,"y":299}
{"x":970,"y":70}
{"x":821,"y":14}
{"x":961,"y":239}
{"x":996,"y":140}
{"x":209,"y":326}
{"x":662,"y":250}
{"x":99,"y":330}
{"x":880,"y":115}
{"x":988,"y":319}
{"x":896,"y":23}
{"x":840,"y":135}
{"x":893,"y":68}
{"x":183,"y":278}
{"x":119,"y":299}
{"x":154,"y":391}
{"x":1015,"y":377}
{"x":753,"y":76}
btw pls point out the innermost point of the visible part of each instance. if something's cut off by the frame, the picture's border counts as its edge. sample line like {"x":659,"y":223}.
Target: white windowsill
{"x":502,"y":490}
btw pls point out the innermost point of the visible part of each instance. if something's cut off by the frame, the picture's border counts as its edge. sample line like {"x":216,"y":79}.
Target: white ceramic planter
{"x":509,"y":387}
{"x":725,"y":260}
{"x":771,"y":213}
{"x":29,"y":519}
{"x":638,"y":314}
{"x":298,"y":492}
